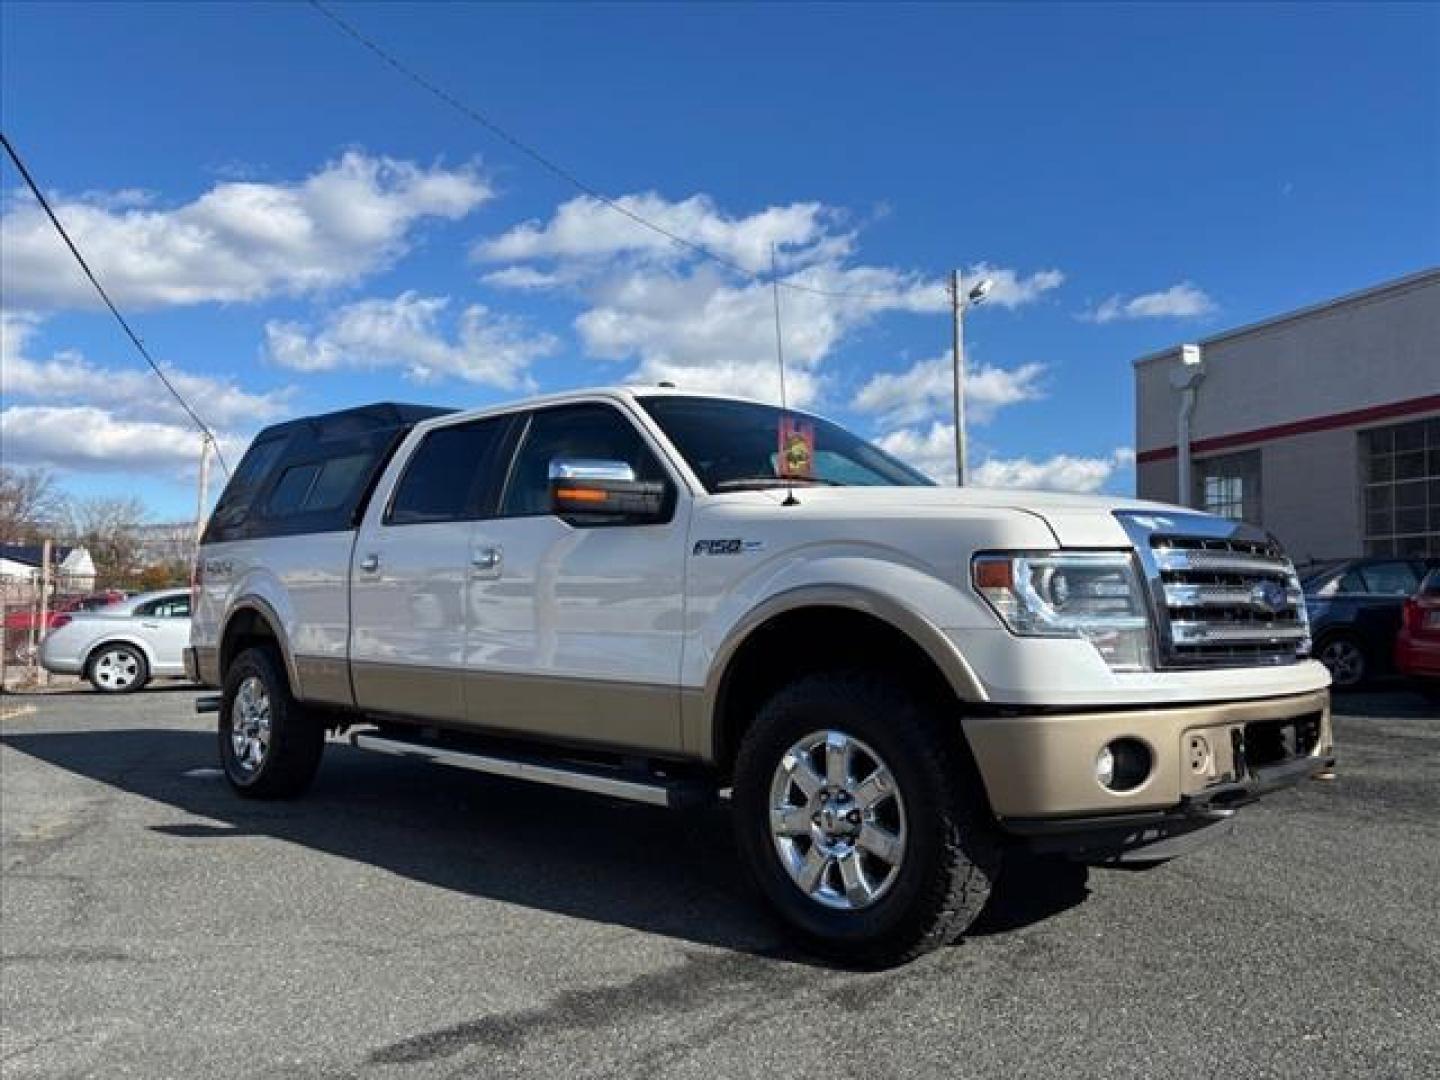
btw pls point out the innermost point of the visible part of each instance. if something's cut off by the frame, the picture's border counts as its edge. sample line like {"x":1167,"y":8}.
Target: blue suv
{"x":1355,"y":608}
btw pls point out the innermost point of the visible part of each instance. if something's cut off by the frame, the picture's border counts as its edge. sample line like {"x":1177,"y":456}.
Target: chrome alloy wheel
{"x":250,"y":724}
{"x":838,"y":820}
{"x":116,"y":669}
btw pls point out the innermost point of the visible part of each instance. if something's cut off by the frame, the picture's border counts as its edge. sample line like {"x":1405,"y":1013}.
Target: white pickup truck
{"x":660,"y":595}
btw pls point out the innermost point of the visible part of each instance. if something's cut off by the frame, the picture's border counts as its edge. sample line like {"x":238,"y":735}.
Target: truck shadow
{"x":657,"y":871}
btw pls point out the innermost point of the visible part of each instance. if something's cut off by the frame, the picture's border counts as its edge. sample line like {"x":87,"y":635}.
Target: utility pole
{"x":47,"y":552}
{"x":202,"y":499}
{"x":957,"y":357}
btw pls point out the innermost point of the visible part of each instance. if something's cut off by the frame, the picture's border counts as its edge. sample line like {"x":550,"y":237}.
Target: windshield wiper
{"x":740,"y":483}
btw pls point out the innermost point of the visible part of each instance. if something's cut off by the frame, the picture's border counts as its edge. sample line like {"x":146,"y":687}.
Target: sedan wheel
{"x":117,"y":669}
{"x":1346,"y":662}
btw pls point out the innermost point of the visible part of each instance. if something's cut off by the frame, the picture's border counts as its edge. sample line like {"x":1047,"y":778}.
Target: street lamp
{"x":959,"y":304}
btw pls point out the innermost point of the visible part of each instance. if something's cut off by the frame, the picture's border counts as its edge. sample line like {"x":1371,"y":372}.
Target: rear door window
{"x":1390,"y":578}
{"x":450,"y":476}
{"x":167,"y":607}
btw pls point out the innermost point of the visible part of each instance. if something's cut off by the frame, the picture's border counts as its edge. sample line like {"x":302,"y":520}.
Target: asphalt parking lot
{"x":411,"y":920}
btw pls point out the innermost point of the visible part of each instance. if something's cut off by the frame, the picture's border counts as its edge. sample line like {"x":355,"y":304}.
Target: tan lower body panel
{"x":1044,"y":765}
{"x":640,"y":717}
{"x":636,"y":716}
{"x":324,"y":679}
{"x":410,"y":690}
{"x":205,"y":661}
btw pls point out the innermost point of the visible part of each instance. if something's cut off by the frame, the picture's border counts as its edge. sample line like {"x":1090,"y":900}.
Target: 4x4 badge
{"x":733,"y":546}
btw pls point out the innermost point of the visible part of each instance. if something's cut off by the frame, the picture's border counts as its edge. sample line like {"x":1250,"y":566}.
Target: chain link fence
{"x":29,"y":610}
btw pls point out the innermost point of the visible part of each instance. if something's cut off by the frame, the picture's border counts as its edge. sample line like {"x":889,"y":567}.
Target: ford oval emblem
{"x":1268,"y":596}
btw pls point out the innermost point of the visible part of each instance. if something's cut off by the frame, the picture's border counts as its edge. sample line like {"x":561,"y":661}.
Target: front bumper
{"x":1039,"y":768}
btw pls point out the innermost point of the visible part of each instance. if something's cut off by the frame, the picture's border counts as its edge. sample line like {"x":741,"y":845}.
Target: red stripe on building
{"x":1299,"y":427}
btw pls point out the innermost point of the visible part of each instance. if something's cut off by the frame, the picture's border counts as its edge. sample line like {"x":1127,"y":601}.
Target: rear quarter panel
{"x":302,"y":583}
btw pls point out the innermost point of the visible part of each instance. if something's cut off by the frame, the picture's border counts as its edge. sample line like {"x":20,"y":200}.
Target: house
{"x":20,"y":570}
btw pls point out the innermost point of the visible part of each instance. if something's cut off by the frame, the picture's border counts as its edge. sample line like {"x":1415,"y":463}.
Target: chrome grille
{"x":1222,"y":592}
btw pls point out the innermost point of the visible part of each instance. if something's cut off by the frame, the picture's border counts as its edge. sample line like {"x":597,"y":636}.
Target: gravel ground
{"x":413,"y":920}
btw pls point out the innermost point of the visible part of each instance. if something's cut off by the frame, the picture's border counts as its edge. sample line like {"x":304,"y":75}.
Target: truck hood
{"x":1076,"y":520}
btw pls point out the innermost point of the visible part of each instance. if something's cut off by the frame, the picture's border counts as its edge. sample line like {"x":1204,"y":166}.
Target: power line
{"x":564,"y":174}
{"x":140,"y":345}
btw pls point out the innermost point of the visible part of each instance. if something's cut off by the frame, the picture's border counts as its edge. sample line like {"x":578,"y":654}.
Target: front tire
{"x":861,"y":819}
{"x":118,"y":669}
{"x":1345,"y":658}
{"x":269,"y":745}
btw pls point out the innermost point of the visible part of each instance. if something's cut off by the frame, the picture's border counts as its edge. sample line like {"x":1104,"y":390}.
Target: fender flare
{"x":703,"y":723}
{"x":262,"y":608}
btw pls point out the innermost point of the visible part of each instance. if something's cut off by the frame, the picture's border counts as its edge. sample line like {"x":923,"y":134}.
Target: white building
{"x":20,"y":570}
{"x":1322,"y":425}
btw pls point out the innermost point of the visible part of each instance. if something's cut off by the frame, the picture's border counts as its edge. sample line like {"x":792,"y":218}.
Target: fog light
{"x":1105,"y":767}
{"x":1123,"y":765}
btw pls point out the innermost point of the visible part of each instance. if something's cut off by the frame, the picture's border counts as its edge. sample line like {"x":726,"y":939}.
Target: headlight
{"x":1095,"y":595}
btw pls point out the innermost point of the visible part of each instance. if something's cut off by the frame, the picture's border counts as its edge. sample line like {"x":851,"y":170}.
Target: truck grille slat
{"x":1223,"y":593}
{"x":1183,"y":559}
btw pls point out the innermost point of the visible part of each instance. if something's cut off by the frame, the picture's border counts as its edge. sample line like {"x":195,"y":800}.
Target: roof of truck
{"x":362,"y":418}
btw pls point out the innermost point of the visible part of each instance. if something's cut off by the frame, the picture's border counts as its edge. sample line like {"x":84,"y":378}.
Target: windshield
{"x":732,"y":445}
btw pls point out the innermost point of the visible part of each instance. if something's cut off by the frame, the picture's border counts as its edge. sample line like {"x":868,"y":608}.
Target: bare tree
{"x":109,"y":529}
{"x":32,"y":506}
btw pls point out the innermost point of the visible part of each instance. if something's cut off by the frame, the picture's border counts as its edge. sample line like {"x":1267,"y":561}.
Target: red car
{"x":1417,"y":646}
{"x":20,"y":620}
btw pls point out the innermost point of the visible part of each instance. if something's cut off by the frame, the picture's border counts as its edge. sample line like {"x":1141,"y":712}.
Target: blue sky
{"x":293,"y":227}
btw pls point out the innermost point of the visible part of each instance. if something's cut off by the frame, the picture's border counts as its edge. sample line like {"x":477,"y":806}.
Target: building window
{"x":1401,"y":474}
{"x":1230,"y":486}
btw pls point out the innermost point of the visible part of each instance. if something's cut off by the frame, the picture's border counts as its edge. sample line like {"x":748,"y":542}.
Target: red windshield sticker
{"x":797,"y":447}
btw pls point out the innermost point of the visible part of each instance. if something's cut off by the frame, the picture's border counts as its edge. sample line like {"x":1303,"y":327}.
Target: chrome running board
{"x":596,"y":779}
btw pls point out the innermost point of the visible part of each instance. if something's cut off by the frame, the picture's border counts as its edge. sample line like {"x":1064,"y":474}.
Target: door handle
{"x":151,"y":625}
{"x":486,"y":558}
{"x":370,"y":563}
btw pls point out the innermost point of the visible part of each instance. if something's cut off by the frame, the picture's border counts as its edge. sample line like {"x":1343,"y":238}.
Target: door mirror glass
{"x":590,"y":491}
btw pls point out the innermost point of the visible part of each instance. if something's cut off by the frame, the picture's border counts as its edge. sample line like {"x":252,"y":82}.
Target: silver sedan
{"x":121,"y":647}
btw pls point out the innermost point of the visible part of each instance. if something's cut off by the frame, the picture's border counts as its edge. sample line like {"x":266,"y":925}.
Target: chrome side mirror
{"x":591,"y":469}
{"x":587,"y":491}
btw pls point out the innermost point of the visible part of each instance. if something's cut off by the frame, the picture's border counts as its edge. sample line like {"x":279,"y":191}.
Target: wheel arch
{"x":133,"y":640}
{"x":812,"y":628}
{"x":249,"y":623}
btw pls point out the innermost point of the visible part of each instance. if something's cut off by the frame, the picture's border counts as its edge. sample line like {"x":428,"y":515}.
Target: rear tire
{"x":270,"y":745}
{"x":941,"y":851}
{"x":117,"y":669}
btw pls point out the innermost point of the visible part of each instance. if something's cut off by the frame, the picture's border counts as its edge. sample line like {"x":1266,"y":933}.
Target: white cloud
{"x":932,"y":451}
{"x":927,"y":389}
{"x":585,"y":228}
{"x":1009,"y":289}
{"x":1063,"y":472}
{"x":1182,"y":301}
{"x":685,"y":319}
{"x":522,"y":278}
{"x":407,"y":332}
{"x":90,"y":439}
{"x":239,"y":241}
{"x":130,"y":393}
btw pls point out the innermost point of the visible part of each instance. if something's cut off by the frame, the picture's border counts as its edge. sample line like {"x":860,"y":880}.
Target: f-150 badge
{"x":734,"y":546}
